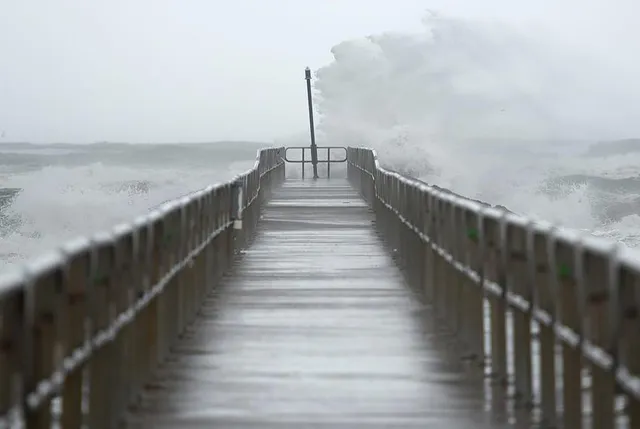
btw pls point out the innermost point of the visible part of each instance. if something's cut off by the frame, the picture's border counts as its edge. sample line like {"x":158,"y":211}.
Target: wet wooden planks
{"x":315,"y":329}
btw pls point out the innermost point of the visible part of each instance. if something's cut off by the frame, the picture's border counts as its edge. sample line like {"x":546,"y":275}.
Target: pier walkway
{"x":314,"y":327}
{"x":371,"y":300}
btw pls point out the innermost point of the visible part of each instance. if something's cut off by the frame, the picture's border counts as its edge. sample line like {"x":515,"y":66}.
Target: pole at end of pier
{"x":314,"y":149}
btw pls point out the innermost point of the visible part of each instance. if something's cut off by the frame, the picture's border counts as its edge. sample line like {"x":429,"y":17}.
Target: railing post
{"x":236,"y":208}
{"x":236,"y":214}
{"x":545,"y":288}
{"x":44,"y":299}
{"x":314,"y":149}
{"x":12,"y":353}
{"x":76,"y":279}
{"x":328,"y":163}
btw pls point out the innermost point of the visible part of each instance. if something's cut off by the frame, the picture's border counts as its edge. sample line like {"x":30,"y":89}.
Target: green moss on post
{"x":472,"y":233}
{"x":564,"y":271}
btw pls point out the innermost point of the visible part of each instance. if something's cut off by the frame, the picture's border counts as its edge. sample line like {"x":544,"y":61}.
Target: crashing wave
{"x":491,"y":113}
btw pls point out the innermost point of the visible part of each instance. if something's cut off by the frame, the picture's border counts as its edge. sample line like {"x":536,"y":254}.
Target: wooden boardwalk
{"x":315,"y":328}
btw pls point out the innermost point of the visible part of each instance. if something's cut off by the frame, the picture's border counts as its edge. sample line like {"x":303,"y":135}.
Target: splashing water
{"x":491,"y":113}
{"x":48,"y":200}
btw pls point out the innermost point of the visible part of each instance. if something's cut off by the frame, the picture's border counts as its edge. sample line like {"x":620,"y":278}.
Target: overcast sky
{"x":202,"y":70}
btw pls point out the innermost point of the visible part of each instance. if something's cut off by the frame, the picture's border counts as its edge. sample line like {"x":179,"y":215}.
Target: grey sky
{"x":201,"y":70}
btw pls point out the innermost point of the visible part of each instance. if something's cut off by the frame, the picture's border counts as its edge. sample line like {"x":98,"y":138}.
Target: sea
{"x":50,"y":193}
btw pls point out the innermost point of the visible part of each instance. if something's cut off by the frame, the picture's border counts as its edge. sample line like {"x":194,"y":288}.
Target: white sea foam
{"x":60,"y":202}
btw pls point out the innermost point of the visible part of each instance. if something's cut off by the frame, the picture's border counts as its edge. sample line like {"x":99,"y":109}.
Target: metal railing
{"x":86,"y":326}
{"x":327,"y":161}
{"x":543,"y":288}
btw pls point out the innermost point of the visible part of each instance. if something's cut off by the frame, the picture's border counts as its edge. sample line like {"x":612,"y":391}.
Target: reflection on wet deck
{"x":316,"y":328}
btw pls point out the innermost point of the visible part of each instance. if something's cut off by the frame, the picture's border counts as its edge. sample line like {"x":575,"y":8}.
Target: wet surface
{"x":315,"y":328}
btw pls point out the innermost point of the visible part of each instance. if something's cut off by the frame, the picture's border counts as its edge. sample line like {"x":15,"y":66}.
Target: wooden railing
{"x":559,"y":302}
{"x":83,"y":328}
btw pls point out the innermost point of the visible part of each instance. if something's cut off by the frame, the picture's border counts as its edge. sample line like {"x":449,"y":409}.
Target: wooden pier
{"x":371,"y":300}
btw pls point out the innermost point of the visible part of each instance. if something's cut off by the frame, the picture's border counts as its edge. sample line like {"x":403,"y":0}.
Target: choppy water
{"x":51,"y":193}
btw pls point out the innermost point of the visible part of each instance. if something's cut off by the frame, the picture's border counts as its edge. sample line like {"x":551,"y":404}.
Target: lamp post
{"x":314,"y":148}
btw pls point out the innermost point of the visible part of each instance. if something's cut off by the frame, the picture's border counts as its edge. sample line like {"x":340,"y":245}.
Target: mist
{"x":460,"y":80}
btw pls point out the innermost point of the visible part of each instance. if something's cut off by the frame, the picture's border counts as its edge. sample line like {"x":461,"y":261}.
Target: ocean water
{"x":494,"y":114}
{"x":52,"y":193}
